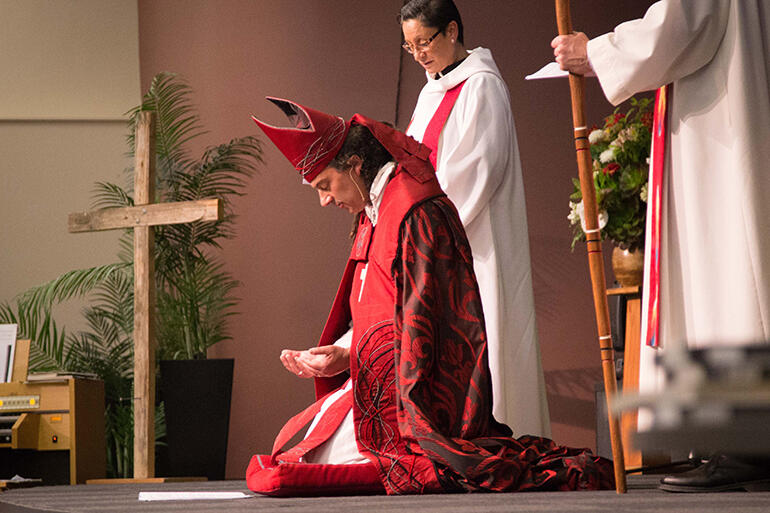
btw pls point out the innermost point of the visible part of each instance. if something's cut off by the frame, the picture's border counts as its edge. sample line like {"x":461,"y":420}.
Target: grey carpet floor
{"x":642,"y":496}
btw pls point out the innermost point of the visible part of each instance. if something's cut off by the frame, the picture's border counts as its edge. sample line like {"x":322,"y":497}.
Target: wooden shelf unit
{"x":63,"y":415}
{"x":634,"y":458}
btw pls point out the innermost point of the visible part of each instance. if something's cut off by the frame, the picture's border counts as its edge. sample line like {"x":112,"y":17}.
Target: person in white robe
{"x":478,"y":166}
{"x":715,"y":239}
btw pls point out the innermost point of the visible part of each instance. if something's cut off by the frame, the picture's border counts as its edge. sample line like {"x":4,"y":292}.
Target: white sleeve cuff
{"x":601,"y":56}
{"x":345,"y":340}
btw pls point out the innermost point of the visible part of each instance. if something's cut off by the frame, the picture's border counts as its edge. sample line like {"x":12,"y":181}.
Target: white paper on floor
{"x":191,"y":496}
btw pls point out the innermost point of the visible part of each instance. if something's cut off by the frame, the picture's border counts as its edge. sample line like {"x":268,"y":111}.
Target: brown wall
{"x":343,"y":56}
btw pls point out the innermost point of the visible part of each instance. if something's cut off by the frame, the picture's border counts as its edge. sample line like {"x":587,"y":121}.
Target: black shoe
{"x":721,"y":473}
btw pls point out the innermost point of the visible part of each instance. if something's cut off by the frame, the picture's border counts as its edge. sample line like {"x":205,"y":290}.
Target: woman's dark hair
{"x":361,"y":142}
{"x":433,"y":13}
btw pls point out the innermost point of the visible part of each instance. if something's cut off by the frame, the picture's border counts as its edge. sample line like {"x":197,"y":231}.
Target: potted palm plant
{"x":195,"y":294}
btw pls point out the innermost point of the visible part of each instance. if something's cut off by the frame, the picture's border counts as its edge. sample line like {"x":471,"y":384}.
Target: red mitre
{"x":312,"y":142}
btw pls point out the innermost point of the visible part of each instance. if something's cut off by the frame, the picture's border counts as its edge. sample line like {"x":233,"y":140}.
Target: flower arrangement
{"x":620,"y":151}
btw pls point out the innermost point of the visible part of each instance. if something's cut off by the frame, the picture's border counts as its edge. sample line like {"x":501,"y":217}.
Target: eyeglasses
{"x":422,"y":45}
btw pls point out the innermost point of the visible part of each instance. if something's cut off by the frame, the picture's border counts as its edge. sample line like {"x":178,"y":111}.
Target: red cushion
{"x":310,"y":479}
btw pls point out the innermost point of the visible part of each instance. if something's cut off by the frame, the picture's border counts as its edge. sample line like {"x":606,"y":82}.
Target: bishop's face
{"x":345,"y":189}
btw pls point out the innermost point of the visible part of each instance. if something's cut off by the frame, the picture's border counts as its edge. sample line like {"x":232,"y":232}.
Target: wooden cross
{"x":142,"y":217}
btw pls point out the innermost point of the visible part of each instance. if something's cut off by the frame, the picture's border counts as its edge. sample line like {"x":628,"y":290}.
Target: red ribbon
{"x":437,"y":122}
{"x":655,"y":199}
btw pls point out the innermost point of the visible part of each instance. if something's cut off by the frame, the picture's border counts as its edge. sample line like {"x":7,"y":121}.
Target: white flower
{"x":627,"y":134}
{"x":643,"y":193}
{"x":608,"y":155}
{"x":576,"y":213}
{"x":596,"y":136}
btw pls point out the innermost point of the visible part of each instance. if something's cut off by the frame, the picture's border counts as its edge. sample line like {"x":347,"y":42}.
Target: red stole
{"x":655,"y":199}
{"x":437,"y":122}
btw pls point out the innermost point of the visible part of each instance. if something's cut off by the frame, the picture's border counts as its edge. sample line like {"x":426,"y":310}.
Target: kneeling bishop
{"x":404,"y":399}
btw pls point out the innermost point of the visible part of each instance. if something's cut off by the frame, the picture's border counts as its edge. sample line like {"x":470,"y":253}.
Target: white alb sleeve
{"x":345,"y":340}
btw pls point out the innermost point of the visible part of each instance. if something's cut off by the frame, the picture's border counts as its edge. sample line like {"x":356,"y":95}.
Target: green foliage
{"x":193,"y":291}
{"x":53,"y":348}
{"x":119,"y":430}
{"x":620,"y":151}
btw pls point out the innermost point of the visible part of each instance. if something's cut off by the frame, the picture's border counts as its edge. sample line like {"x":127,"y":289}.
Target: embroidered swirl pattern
{"x":446,"y":436}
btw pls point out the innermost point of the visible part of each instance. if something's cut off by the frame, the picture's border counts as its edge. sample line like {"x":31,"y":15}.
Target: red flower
{"x":647,"y":119}
{"x":611,"y":168}
{"x":613,"y":119}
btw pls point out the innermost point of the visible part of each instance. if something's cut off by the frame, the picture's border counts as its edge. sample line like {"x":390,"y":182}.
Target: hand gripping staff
{"x":593,"y":242}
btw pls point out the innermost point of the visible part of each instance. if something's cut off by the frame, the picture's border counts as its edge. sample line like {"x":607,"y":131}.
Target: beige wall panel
{"x":68,"y":59}
{"x":48,"y":170}
{"x":70,"y":71}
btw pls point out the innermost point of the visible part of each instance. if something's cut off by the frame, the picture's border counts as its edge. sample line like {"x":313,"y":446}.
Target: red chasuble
{"x":422,"y":395}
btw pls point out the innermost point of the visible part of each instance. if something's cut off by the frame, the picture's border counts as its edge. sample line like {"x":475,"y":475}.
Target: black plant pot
{"x":196,"y":394}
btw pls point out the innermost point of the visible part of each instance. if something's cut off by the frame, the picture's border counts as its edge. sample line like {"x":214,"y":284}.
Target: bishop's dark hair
{"x":361,"y":142}
{"x":433,"y":13}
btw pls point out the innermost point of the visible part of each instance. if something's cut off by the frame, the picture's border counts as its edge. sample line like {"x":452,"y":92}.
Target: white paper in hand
{"x":550,"y":70}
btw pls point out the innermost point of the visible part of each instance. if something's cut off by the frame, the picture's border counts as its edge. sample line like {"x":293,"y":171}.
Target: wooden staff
{"x":594,"y":245}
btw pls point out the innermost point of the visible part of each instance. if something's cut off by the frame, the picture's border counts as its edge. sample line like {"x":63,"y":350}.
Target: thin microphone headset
{"x":350,"y":173}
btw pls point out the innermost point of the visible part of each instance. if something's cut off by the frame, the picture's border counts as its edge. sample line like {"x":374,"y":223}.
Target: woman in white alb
{"x":477,"y":163}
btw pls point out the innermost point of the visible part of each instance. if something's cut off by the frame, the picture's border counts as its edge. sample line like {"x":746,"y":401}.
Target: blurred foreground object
{"x":717,"y":399}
